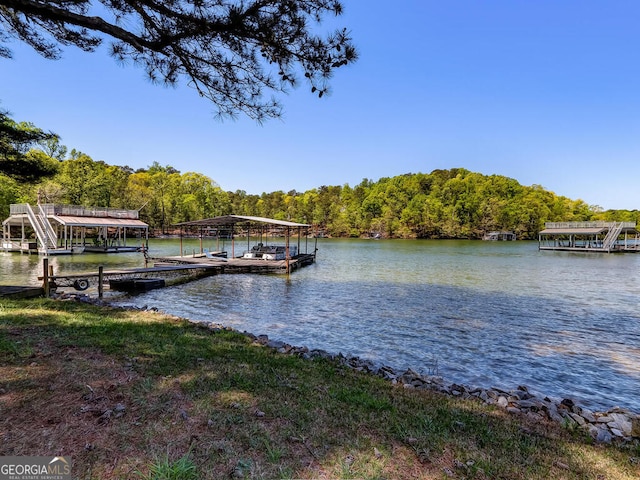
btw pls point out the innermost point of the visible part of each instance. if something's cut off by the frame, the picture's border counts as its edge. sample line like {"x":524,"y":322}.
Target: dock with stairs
{"x":54,"y":229}
{"x":592,"y":237}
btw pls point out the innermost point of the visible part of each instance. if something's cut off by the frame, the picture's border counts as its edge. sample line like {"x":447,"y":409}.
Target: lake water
{"x":485,"y":314}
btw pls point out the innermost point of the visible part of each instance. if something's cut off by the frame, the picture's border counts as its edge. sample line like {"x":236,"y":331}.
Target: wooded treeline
{"x":453,"y":203}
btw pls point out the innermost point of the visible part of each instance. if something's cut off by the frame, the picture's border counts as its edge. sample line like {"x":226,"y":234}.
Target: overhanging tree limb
{"x":231,"y":51}
{"x":49,"y":11}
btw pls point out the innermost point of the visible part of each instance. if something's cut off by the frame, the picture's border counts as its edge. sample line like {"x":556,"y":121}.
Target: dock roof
{"x":76,"y":216}
{"x":574,"y":231}
{"x":586,"y":228}
{"x":76,"y":221}
{"x":226,"y":220}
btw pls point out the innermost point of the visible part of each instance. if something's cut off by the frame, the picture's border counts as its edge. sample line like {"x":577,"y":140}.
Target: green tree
{"x":306,"y":205}
{"x":230,"y":51}
{"x":534,"y":209}
{"x":163,"y":206}
{"x":199,"y":197}
{"x":8,"y":194}
{"x":138,"y":194}
{"x":49,"y":191}
{"x":327,"y":204}
{"x":413,"y":216}
{"x":242,"y":203}
{"x":86,"y":182}
{"x":115,"y":182}
{"x":53,"y":148}
{"x":17,"y":159}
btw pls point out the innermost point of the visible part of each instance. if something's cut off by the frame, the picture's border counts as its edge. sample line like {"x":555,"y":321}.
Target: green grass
{"x":164,"y":469}
{"x":131,"y":394}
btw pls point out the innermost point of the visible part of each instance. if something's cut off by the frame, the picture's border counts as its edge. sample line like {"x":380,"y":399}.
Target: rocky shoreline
{"x":616,"y":425}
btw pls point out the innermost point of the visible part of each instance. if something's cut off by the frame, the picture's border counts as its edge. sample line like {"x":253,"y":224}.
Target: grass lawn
{"x":130,"y":394}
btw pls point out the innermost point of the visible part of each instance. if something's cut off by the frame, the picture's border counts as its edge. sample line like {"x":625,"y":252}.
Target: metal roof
{"x":226,"y":220}
{"x":573,"y":231}
{"x":583,"y":231}
{"x":74,"y":221}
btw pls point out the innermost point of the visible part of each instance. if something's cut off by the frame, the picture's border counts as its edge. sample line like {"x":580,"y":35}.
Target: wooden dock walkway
{"x":178,"y":270}
{"x":82,"y":281}
{"x":238,"y":265}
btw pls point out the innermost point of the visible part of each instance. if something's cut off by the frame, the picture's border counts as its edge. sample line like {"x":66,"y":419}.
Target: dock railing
{"x":589,"y":224}
{"x":50,"y":209}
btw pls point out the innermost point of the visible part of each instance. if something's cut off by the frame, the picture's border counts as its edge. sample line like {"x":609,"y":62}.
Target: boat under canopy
{"x":234,"y":227}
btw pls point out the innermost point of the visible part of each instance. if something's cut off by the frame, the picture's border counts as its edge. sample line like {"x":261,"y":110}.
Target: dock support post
{"x":45,"y":276}
{"x":100,"y":279}
{"x":233,"y":245}
{"x":287,"y":253}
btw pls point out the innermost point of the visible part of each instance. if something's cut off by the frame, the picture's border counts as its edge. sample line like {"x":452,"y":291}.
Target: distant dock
{"x":591,"y":237}
{"x":499,"y":236}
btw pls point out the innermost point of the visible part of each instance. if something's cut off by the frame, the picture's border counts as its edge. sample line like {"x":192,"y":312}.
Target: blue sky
{"x":546,"y":92}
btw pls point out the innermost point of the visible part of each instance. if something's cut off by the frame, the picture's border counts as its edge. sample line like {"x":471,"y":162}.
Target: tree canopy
{"x":17,"y":157}
{"x":454,"y":203}
{"x":230,"y":51}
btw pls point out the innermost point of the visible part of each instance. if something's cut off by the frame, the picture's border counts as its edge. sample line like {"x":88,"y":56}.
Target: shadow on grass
{"x":119,"y":389}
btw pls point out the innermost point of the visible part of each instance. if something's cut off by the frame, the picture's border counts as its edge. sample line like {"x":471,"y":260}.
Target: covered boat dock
{"x":53,"y":229}
{"x":598,"y":237}
{"x":264,"y":255}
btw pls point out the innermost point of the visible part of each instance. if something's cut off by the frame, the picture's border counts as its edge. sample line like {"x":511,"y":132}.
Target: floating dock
{"x":592,"y":237}
{"x":174,"y":270}
{"x":239,"y":265}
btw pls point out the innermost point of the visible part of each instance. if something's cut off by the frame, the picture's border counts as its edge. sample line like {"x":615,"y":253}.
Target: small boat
{"x":271,"y":252}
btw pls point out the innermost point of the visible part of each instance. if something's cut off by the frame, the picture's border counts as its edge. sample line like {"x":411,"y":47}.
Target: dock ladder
{"x":44,"y":231}
{"x":612,"y":236}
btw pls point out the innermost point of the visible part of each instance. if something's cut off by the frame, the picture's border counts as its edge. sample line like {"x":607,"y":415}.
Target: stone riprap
{"x":615,"y":425}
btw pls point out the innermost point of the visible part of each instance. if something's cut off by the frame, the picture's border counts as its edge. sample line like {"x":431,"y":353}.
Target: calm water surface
{"x":483,"y":313}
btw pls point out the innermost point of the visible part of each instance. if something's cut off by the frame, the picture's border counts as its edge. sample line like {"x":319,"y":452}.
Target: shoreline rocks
{"x":614,"y":425}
